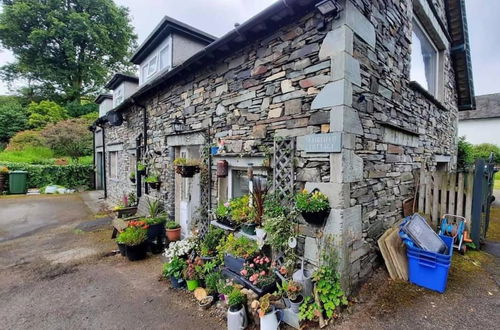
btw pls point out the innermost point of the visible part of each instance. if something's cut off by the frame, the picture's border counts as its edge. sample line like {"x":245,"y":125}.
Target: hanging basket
{"x":187,"y":171}
{"x":154,"y":185}
{"x":316,"y":218}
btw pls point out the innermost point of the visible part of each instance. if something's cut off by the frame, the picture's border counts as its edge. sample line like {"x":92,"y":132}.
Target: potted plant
{"x":134,"y":239}
{"x":267,"y":313}
{"x":173,"y":231}
{"x":209,"y":243}
{"x":237,"y":251}
{"x":141,"y":168}
{"x":313,"y":206}
{"x":173,"y":270}
{"x":187,"y":168}
{"x":243,"y":212}
{"x":192,"y":273}
{"x":4,"y":172}
{"x":223,"y":215}
{"x":236,"y":313}
{"x":180,"y":248}
{"x":132,"y":177}
{"x":153,"y":180}
{"x":258,"y":275}
{"x":127,"y":207}
{"x":292,"y":293}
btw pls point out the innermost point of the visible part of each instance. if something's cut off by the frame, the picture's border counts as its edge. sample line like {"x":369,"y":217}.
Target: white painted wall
{"x":479,"y":131}
{"x":105,"y":106}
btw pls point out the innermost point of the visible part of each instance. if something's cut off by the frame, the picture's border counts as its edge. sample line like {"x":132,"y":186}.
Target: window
{"x":240,"y":184}
{"x":118,"y":95}
{"x":113,"y":164}
{"x":424,"y":59}
{"x":165,"y":57}
{"x":152,"y":66}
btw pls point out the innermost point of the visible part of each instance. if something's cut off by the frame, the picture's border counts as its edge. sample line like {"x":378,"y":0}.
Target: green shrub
{"x":69,"y":176}
{"x":45,"y":112}
{"x":25,"y":139}
{"x":484,"y":150}
{"x":69,"y":138}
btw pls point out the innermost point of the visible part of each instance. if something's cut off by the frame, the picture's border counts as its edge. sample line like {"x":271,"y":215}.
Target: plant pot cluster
{"x":194,"y":265}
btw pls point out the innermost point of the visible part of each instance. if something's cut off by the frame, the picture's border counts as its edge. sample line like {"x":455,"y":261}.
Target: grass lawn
{"x":38,"y":155}
{"x":497,"y":180}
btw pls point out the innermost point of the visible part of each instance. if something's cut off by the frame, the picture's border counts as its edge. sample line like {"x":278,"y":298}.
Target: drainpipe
{"x":94,"y":181}
{"x":145,"y":132}
{"x":105,"y":179}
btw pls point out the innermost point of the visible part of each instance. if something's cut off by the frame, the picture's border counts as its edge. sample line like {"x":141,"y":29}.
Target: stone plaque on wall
{"x":330,"y":142}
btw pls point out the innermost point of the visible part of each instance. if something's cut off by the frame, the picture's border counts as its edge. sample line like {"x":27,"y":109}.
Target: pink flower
{"x":263,"y":273}
{"x":244,"y":272}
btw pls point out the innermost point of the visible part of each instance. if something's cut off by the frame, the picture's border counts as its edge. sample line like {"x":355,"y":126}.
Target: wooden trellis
{"x":283,"y":169}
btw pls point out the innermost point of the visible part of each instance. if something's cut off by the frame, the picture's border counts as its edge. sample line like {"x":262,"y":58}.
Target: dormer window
{"x":159,"y":60}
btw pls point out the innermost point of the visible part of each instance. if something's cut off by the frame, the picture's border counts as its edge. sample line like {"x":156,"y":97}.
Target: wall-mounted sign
{"x":329,"y":142}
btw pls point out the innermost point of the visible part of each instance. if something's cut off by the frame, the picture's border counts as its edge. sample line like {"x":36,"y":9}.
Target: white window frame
{"x":111,"y":165}
{"x":118,"y":95}
{"x":154,"y":59}
{"x":434,"y":91}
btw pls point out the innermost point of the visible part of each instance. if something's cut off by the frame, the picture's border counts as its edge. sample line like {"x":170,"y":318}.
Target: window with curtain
{"x":424,"y":59}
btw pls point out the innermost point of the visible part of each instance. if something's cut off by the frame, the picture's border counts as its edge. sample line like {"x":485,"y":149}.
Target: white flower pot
{"x":237,"y":320}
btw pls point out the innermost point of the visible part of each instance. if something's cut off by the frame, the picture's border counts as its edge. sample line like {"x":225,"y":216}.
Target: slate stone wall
{"x":351,"y":78}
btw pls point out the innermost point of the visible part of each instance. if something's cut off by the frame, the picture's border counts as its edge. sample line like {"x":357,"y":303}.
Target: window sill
{"x":418,"y":88}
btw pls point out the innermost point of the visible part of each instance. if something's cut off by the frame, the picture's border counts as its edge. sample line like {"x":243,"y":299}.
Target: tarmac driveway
{"x":57,"y":272}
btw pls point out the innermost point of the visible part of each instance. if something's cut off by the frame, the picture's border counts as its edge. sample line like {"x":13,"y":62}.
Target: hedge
{"x":69,"y":176}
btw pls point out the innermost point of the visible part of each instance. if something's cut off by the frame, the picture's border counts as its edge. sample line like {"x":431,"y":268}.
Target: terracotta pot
{"x":174,"y":234}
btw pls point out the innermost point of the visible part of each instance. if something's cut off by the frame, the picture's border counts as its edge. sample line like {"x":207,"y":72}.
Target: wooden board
{"x":397,"y":250}
{"x":386,"y":254}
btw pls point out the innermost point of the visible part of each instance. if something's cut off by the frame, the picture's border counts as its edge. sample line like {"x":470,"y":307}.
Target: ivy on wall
{"x":69,"y":176}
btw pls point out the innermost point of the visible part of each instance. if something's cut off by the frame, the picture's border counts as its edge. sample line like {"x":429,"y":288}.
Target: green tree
{"x":69,"y":138}
{"x":45,"y":112}
{"x":71,"y":46}
{"x":484,"y":150}
{"x":78,"y":109}
{"x":12,"y":119}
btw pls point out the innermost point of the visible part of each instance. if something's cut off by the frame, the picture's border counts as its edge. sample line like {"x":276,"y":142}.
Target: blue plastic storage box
{"x":429,"y":269}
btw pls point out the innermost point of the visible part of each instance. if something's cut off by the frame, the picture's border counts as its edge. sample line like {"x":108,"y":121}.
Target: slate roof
{"x":487,"y":106}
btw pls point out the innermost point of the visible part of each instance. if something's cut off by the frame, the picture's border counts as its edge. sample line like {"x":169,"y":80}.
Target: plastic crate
{"x":430,"y":270}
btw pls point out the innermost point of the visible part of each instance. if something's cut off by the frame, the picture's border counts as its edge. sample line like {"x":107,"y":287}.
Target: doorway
{"x":187,"y":192}
{"x":99,"y":171}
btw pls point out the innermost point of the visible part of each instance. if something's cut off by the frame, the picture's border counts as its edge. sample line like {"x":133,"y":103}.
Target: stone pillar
{"x":345,"y":220}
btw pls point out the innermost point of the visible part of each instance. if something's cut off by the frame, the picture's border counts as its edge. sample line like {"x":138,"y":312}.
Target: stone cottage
{"x":351,"y":97}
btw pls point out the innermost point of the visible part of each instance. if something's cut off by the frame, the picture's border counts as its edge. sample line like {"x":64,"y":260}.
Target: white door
{"x":188,"y":193}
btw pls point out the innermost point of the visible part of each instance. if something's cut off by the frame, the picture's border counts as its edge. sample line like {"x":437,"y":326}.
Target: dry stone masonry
{"x":348,"y":84}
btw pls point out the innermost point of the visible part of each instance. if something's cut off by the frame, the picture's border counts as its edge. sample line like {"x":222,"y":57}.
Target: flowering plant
{"x":180,"y":248}
{"x":194,"y":269}
{"x":222,"y":210}
{"x":315,"y":201}
{"x":258,"y":271}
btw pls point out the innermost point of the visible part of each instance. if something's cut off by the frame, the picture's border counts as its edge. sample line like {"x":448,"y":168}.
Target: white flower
{"x":180,"y":248}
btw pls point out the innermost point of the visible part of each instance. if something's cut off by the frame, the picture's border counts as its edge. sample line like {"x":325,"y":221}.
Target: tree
{"x":71,"y":46}
{"x":78,"y":109}
{"x":12,"y":119}
{"x":69,"y":138}
{"x":45,"y":112}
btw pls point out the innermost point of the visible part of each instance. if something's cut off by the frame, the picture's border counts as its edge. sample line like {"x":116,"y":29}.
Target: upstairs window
{"x":118,"y":95}
{"x":424,"y":59}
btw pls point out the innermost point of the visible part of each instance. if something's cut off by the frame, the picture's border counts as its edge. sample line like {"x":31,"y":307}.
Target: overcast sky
{"x":218,"y":17}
